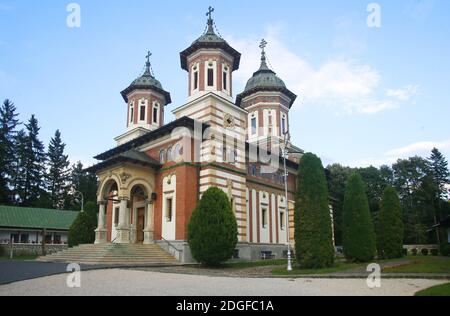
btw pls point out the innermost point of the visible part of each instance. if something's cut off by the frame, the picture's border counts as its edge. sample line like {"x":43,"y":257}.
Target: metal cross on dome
{"x":210,"y":11}
{"x":149,"y":54}
{"x":263,"y":44}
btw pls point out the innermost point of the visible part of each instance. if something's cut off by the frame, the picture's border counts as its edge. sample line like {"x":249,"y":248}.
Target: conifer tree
{"x":212,"y":230}
{"x":33,"y":165}
{"x":390,"y":230}
{"x":440,"y":172}
{"x":313,"y":228}
{"x":359,"y":235}
{"x":8,"y":124}
{"x":58,"y":173}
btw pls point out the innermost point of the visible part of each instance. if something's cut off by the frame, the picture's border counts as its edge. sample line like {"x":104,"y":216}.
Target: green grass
{"x":338,"y":267}
{"x":422,"y":264}
{"x":440,"y":290}
{"x":254,"y":264}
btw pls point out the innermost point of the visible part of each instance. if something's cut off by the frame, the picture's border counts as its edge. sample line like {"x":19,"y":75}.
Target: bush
{"x":83,"y":228}
{"x":414,"y":252}
{"x":434,"y":252}
{"x":405,"y":252}
{"x":445,"y":249}
{"x":313,"y":229}
{"x":212,"y":230}
{"x":425,"y":252}
{"x":2,"y":251}
{"x":358,"y":230}
{"x":390,"y":229}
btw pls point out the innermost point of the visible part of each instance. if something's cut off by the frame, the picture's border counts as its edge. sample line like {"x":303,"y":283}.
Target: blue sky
{"x":366,"y":95}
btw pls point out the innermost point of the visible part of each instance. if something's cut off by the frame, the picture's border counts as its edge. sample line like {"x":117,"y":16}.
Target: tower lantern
{"x":145,"y":98}
{"x":210,"y":62}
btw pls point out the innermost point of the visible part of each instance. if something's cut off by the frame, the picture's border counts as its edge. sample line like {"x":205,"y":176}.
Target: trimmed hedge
{"x":313,"y":228}
{"x":390,"y":228}
{"x":212,"y":230}
{"x":82,"y":231}
{"x":358,"y":230}
{"x":445,"y":249}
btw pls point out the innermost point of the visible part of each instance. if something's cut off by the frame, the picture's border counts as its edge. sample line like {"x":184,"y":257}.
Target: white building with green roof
{"x":27,"y":225}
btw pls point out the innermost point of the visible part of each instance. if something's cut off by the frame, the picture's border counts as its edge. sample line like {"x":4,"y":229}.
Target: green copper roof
{"x":265,"y":79}
{"x":21,"y":217}
{"x":146,"y":82}
{"x":210,"y":40}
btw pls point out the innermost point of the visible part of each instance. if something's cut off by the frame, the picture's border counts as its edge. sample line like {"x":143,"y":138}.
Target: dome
{"x":210,"y":40}
{"x":265,"y":79}
{"x":146,"y":82}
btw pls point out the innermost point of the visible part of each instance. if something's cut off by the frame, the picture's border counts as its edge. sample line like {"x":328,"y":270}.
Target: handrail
{"x":179,"y":251}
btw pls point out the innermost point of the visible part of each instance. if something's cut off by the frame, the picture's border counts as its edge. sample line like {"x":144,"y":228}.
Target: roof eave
{"x":199,"y":45}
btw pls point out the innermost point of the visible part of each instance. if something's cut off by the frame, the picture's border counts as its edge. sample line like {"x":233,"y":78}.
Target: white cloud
{"x":418,"y":148}
{"x":346,"y":85}
{"x":5,"y":7}
{"x":404,"y":94}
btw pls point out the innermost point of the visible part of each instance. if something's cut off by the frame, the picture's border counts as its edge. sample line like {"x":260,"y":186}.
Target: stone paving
{"x":133,"y":282}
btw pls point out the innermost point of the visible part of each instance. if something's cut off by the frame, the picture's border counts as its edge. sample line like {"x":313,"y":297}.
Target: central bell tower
{"x":210,"y":62}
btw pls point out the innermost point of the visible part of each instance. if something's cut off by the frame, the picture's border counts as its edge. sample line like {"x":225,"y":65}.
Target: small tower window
{"x":283,"y":125}
{"x":210,"y":77}
{"x":142,"y":112}
{"x":162,"y":156}
{"x":195,"y":80}
{"x":253,"y":125}
{"x":155,"y":113}
{"x":264,"y":218}
{"x":282,"y":221}
{"x":132,"y":113}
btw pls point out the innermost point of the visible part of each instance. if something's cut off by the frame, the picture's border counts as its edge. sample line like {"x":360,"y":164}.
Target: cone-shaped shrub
{"x":358,"y":230}
{"x":212,"y":231}
{"x":313,"y":228}
{"x":82,"y":231}
{"x":390,"y":227}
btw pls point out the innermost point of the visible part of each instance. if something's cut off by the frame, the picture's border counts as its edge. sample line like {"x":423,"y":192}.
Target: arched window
{"x":169,"y":154}
{"x":162,"y":156}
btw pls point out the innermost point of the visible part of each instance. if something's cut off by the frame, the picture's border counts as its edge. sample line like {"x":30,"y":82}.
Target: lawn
{"x":440,"y":290}
{"x":338,"y":267}
{"x":253,"y":264}
{"x":412,"y":264}
{"x":421,"y":264}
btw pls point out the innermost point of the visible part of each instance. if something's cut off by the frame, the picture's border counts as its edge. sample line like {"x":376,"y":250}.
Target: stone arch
{"x":148,"y":188}
{"x":106,"y":186}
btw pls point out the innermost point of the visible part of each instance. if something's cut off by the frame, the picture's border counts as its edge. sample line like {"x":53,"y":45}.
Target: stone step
{"x":113,"y":254}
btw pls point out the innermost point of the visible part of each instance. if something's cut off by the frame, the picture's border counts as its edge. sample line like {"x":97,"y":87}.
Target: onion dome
{"x":210,"y":40}
{"x":265,"y":79}
{"x":147,"y":82}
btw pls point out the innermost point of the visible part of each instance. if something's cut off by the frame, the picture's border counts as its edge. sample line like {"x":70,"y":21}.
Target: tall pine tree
{"x":33,"y":162}
{"x":8,"y":124}
{"x":58,"y":173}
{"x":440,"y":172}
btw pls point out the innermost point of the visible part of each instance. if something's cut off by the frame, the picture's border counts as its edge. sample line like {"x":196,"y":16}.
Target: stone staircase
{"x":114,"y":254}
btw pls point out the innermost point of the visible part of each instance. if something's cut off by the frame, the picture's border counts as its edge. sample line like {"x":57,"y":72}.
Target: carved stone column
{"x":123,"y":228}
{"x":149,"y":225}
{"x":100,"y":232}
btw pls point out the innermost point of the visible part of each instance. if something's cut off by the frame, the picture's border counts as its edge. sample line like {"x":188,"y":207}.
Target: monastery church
{"x":150,"y":183}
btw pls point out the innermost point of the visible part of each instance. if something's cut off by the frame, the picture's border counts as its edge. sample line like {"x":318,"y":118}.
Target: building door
{"x":140,"y":225}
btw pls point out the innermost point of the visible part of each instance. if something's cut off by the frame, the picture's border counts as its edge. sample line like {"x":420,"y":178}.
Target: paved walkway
{"x":132,"y":282}
{"x":14,"y":271}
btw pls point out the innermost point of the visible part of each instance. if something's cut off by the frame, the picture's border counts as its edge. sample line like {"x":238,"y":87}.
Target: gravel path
{"x":129,"y":282}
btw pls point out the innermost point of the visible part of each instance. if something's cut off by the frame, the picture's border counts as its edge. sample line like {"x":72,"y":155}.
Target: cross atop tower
{"x":149,"y":54}
{"x":209,"y":13}
{"x":263,"y":44}
{"x":148,"y":66}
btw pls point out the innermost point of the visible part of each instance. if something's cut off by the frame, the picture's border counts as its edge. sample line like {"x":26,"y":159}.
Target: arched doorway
{"x":139,"y":203}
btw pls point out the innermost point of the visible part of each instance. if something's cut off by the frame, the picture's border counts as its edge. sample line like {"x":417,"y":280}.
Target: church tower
{"x":210,"y":62}
{"x":145,"y":99}
{"x":267,"y":101}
